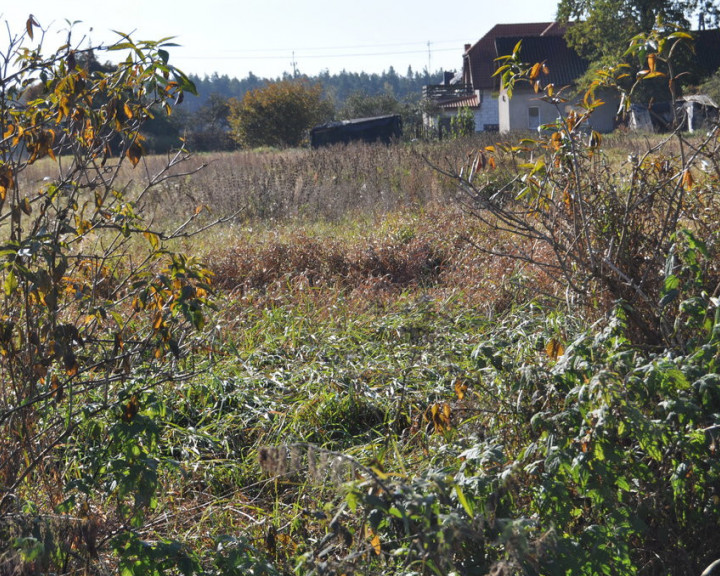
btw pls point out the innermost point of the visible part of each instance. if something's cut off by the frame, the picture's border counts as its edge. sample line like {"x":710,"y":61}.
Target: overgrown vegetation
{"x":505,"y":366}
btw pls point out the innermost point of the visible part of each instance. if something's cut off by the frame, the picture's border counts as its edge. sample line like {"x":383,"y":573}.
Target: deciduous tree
{"x":279,"y":114}
{"x":602,"y":29}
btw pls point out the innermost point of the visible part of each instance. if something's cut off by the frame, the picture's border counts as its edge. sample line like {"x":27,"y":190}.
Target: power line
{"x":348,"y":47}
{"x":296,"y":55}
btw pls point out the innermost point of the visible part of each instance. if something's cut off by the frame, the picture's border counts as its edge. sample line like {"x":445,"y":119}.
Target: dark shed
{"x":377,"y":129}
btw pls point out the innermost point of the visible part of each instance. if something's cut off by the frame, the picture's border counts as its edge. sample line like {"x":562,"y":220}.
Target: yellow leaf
{"x":128,"y":111}
{"x":535,"y":71}
{"x":554,"y":348}
{"x":153,"y":239}
{"x":375,"y":543}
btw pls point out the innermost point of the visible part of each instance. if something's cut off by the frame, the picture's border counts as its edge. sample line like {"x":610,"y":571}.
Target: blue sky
{"x":269,"y":37}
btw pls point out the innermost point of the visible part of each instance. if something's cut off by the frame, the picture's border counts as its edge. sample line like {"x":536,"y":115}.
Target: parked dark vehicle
{"x":377,"y":129}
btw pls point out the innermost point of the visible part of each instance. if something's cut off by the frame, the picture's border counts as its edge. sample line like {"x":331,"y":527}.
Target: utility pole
{"x":429,"y":58}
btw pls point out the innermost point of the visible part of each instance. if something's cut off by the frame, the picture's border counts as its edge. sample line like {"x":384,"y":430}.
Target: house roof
{"x":707,"y":52}
{"x":701,"y":99}
{"x":469,"y":101}
{"x":564,"y":64}
{"x":479,"y":59}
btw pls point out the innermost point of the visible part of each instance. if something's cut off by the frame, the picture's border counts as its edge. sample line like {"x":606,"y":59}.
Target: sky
{"x":270,"y":37}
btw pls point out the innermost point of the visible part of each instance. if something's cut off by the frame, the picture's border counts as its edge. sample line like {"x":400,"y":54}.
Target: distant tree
{"x":602,"y":29}
{"x":162,"y":131}
{"x":711,"y":87}
{"x":279,"y":114}
{"x":363,"y":105}
{"x":209,"y":127}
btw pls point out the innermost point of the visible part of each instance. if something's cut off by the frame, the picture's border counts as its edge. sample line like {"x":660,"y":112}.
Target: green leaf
{"x":467,"y":506}
{"x":11,"y":283}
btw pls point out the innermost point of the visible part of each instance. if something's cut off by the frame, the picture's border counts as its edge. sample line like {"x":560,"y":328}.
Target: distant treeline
{"x":204,"y":120}
{"x":338,"y":87}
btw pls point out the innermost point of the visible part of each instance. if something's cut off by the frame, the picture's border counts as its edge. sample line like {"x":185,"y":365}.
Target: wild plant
{"x":609,"y":228}
{"x":97,"y":313}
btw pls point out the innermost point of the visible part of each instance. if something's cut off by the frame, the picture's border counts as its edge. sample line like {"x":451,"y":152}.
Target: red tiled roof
{"x":479,"y":59}
{"x":472,"y":101}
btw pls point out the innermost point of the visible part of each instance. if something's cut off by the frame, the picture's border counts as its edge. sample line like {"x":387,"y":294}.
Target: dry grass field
{"x":379,"y":391}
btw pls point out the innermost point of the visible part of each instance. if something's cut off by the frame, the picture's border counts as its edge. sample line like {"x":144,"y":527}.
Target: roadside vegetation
{"x":468,"y":357}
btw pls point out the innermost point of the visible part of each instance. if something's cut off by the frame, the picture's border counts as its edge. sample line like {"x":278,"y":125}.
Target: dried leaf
{"x":460,"y":389}
{"x":29,"y":26}
{"x":688,"y":181}
{"x":134,"y":153}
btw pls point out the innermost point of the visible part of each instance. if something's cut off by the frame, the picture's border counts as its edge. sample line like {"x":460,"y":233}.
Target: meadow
{"x":392,"y":381}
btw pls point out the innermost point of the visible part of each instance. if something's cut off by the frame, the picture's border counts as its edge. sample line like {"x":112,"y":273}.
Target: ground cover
{"x":376,"y":392}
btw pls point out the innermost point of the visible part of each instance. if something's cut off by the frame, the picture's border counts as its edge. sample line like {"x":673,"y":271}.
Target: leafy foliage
{"x":279,"y":114}
{"x":88,"y":331}
{"x":462,"y":124}
{"x":602,"y":29}
{"x":607,"y":228}
{"x":399,"y":385}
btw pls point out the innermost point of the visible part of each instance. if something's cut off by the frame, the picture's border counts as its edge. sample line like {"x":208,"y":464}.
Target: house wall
{"x":487,"y":114}
{"x":514,"y":113}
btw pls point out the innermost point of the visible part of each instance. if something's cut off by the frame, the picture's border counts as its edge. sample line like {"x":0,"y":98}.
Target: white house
{"x":478,"y":89}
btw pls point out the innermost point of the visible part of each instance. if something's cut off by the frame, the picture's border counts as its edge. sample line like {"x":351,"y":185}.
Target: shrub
{"x":97,"y":312}
{"x":611,"y":228}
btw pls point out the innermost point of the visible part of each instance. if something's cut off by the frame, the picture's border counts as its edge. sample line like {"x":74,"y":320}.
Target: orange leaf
{"x":375,"y":543}
{"x":687,"y":180}
{"x":57,"y":388}
{"x":556,"y":140}
{"x":460,"y":389}
{"x":651,"y":62}
{"x":131,"y":409}
{"x":134,"y":153}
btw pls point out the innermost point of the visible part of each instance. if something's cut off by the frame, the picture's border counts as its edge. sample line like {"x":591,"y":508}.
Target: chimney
{"x":467,"y":47}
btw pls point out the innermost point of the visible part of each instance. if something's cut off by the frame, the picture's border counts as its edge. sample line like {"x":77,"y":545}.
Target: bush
{"x":279,"y":114}
{"x":611,"y":228}
{"x":97,"y":312}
